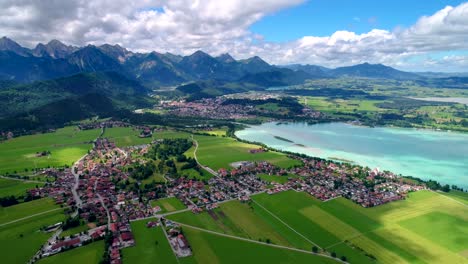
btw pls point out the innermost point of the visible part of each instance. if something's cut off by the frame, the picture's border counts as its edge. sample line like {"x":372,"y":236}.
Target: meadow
{"x":211,"y":248}
{"x":151,"y":246}
{"x":244,"y":220}
{"x":90,"y":254}
{"x":20,"y":240}
{"x":425,"y":228}
{"x":125,"y":136}
{"x":168,"y":204}
{"x":15,"y":187}
{"x":66,"y":145}
{"x":212,"y":152}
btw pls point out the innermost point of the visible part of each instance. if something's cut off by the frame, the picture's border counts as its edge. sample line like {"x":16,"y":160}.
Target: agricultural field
{"x":151,"y":246}
{"x":89,"y":254}
{"x":125,"y":136}
{"x":457,"y":195}
{"x":66,"y":145}
{"x":24,"y":236}
{"x":427,"y":227}
{"x":212,"y":151}
{"x":74,"y":230}
{"x":170,"y":134}
{"x":168,"y":204}
{"x":15,"y":187}
{"x":244,"y":220}
{"x":212,"y":248}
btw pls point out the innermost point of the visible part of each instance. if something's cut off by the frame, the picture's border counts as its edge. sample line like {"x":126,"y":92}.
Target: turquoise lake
{"x":426,"y":154}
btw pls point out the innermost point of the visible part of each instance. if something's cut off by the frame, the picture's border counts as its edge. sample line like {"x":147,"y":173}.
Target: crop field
{"x":244,"y":220}
{"x":66,"y":145}
{"x":24,"y":236}
{"x":168,"y":204}
{"x":151,"y":246}
{"x":91,"y":254}
{"x":457,"y":195}
{"x":426,"y":227}
{"x":169,"y":134}
{"x":16,"y":188}
{"x":74,"y":230}
{"x":211,"y":248}
{"x":332,"y":105}
{"x":219,"y":152}
{"x":125,"y":136}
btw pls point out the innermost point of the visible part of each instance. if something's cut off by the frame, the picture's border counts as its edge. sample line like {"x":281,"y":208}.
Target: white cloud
{"x":183,"y":26}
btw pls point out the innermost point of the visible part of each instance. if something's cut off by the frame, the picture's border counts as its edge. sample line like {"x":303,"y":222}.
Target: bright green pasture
{"x":424,"y":228}
{"x":457,"y":195}
{"x":11,"y":213}
{"x":168,"y":204}
{"x":170,"y":134}
{"x":125,"y":136}
{"x":66,"y":146}
{"x":89,"y":254}
{"x":213,"y":249}
{"x":16,"y":188}
{"x":151,"y":246}
{"x":74,"y":230}
{"x":244,"y":220}
{"x":220,"y":152}
{"x":20,"y":240}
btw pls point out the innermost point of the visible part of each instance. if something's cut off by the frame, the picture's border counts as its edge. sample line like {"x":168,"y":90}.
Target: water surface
{"x":427,"y":154}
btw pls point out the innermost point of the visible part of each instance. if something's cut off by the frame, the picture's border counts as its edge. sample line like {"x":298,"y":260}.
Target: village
{"x":92,"y":189}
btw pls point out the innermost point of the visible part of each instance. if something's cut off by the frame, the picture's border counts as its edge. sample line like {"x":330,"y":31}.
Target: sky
{"x":409,"y":35}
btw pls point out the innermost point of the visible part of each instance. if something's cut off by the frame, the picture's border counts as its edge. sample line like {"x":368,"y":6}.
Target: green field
{"x":91,"y":254}
{"x":457,"y":195}
{"x":20,"y":240}
{"x":125,"y":136}
{"x":168,"y":204}
{"x":15,"y":187}
{"x":244,"y":220}
{"x":426,"y":228}
{"x":170,"y":134}
{"x":74,"y":230}
{"x":8,"y":214}
{"x":211,"y":248}
{"x":219,"y":152}
{"x":151,"y":246}
{"x":66,"y":146}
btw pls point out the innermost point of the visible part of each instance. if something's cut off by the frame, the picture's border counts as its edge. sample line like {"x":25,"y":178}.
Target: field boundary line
{"x":31,"y":216}
{"x":258,"y":242}
{"x":284,"y":223}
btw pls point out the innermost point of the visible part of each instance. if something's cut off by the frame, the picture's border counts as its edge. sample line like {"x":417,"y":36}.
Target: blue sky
{"x":324,"y":17}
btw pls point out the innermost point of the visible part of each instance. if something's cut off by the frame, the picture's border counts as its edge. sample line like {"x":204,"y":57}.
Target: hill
{"x":374,"y":71}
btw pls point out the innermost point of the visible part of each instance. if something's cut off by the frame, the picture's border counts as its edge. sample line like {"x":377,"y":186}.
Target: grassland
{"x":168,"y":204}
{"x":91,"y":254}
{"x":125,"y":136}
{"x":170,"y":134}
{"x":212,"y":153}
{"x":74,"y":230}
{"x":211,"y":248}
{"x":457,"y":195}
{"x":20,"y":240}
{"x":16,"y":188}
{"x":244,"y":220}
{"x":151,"y":246}
{"x":66,"y":145}
{"x":426,"y":228}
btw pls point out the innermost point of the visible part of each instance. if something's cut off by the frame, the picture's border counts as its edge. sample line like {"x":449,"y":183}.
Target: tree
{"x":333,"y":254}
{"x":343,"y":258}
{"x":315,"y":249}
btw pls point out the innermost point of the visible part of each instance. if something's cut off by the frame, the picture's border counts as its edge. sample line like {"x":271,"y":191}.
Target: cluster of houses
{"x":177,"y":240}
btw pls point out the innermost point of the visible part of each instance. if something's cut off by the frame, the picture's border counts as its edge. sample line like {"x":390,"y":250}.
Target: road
{"x":74,"y":190}
{"x":103,"y":204}
{"x":199,"y":164}
{"x":258,"y":242}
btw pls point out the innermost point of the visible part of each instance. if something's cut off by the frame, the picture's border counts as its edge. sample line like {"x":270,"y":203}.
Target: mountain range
{"x":153,"y":69}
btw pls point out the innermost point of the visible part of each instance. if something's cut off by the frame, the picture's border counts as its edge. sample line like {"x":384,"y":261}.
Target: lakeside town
{"x":96,"y":189}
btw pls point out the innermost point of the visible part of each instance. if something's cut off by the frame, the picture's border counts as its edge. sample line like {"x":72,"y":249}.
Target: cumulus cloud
{"x":183,"y":26}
